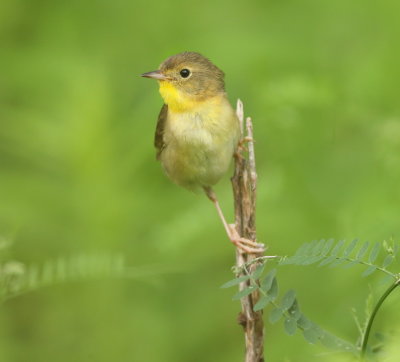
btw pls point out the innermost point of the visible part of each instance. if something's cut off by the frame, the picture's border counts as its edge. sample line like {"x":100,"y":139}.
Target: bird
{"x":197,"y":132}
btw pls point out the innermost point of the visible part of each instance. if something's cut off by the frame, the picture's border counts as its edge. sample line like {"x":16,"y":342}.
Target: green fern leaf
{"x":350,"y":248}
{"x":387,"y":261}
{"x":338,"y":247}
{"x":369,"y":271}
{"x":337,"y":262}
{"x":374,"y":253}
{"x":303,"y":249}
{"x":362,"y":250}
{"x":327,"y":247}
{"x":319,"y":246}
{"x":311,"y":259}
{"x":327,"y":260}
{"x":351,"y":263}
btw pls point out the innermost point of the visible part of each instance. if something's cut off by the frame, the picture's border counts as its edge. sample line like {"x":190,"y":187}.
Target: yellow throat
{"x":176,"y":100}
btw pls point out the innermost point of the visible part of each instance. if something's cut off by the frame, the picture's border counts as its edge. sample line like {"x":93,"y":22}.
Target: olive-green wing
{"x":159,"y":136}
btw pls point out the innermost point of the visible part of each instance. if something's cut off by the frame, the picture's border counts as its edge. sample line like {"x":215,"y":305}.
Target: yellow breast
{"x":200,"y":138}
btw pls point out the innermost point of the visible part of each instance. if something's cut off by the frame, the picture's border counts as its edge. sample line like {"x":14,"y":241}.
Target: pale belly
{"x":198,"y":149}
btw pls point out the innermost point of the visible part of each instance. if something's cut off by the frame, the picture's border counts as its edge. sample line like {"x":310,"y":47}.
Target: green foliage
{"x":326,"y":252}
{"x":17,"y":278}
{"x":286,"y":308}
{"x":378,"y":256}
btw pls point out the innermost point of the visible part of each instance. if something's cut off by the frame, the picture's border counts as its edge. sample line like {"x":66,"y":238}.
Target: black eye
{"x":184,"y":73}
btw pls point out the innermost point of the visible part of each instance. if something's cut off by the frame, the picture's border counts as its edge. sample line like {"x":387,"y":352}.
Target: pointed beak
{"x":155,"y":75}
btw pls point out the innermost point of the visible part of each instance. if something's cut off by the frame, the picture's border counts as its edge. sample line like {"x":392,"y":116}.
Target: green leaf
{"x":374,"y":252}
{"x":328,"y":260}
{"x":258,"y":271}
{"x":387,"y":261}
{"x":243,"y":293}
{"x":267,"y":281}
{"x":337,"y":262}
{"x":317,"y":249}
{"x":289,"y":260}
{"x":333,"y":342}
{"x":311,"y":335}
{"x":275,"y":315}
{"x":369,"y":271}
{"x":288,"y":299}
{"x":337,"y":247}
{"x":235,"y":281}
{"x":262,"y":303}
{"x":351,"y":263}
{"x":303,"y":322}
{"x":311,"y":247}
{"x":311,"y":259}
{"x":290,"y":326}
{"x":294,"y":311}
{"x":362,"y":250}
{"x":327,"y":247}
{"x":350,"y":248}
{"x":273,"y":291}
{"x":303,"y":249}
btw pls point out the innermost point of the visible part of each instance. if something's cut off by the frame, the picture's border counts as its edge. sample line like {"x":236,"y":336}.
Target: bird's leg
{"x":246,"y":245}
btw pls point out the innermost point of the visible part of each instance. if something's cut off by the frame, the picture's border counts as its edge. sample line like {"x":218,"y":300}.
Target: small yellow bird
{"x":197,"y":130}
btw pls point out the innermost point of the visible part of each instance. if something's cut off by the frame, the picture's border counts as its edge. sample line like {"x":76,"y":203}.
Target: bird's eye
{"x":184,"y":73}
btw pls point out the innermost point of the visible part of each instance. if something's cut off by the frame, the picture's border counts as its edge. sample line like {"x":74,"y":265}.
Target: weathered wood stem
{"x":244,"y":184}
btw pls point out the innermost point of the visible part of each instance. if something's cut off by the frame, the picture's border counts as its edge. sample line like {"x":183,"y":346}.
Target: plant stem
{"x":373,"y":314}
{"x":244,"y":183}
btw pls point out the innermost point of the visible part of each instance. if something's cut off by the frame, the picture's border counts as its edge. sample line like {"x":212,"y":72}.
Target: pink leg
{"x":246,"y":245}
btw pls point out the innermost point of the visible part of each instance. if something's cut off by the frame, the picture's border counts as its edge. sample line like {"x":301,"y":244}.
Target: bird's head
{"x":186,"y":78}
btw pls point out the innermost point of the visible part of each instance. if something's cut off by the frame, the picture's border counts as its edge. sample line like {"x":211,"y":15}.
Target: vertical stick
{"x":244,"y":184}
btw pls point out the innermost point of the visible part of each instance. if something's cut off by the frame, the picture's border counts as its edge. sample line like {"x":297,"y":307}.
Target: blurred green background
{"x":78,"y":170}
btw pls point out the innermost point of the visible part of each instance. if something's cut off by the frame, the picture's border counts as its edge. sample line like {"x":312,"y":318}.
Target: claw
{"x":246,"y":245}
{"x":245,"y":140}
{"x":241,"y":147}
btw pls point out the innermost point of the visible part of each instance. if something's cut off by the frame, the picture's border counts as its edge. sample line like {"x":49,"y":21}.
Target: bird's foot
{"x":245,"y":140}
{"x":245,"y":245}
{"x":241,"y":147}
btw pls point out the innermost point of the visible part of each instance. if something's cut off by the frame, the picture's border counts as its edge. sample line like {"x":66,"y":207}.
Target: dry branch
{"x":244,"y":184}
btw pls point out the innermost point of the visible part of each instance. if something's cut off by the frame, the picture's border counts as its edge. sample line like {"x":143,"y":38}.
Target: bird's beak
{"x":155,"y":75}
